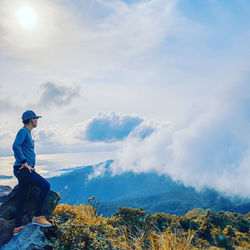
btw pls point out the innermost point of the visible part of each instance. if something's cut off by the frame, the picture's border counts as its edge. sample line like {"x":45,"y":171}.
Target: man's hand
{"x":25,"y":165}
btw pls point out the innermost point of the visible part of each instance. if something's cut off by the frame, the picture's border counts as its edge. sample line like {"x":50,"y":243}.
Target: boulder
{"x":31,"y":237}
{"x":8,"y":210}
{"x":4,"y":191}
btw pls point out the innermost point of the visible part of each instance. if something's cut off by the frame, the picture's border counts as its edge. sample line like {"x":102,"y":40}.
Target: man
{"x":24,"y":171}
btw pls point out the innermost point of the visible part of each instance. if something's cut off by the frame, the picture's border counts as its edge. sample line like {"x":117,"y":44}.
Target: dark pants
{"x":25,"y":179}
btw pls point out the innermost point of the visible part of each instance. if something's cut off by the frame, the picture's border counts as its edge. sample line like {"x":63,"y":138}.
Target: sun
{"x":27,"y":17}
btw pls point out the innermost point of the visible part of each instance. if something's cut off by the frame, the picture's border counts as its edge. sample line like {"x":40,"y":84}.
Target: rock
{"x":7,"y":210}
{"x":31,"y":237}
{"x":4,"y":191}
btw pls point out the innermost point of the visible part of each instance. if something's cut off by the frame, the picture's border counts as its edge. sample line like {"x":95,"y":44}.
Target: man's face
{"x":34,"y":122}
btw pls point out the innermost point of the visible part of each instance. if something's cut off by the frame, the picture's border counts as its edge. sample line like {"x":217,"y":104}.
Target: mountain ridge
{"x":146,"y":190}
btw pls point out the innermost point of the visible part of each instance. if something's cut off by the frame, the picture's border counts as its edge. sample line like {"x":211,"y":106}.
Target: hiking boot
{"x":17,"y":230}
{"x":41,"y":221}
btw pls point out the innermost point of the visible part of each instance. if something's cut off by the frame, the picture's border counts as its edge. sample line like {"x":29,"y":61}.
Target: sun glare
{"x":27,"y":17}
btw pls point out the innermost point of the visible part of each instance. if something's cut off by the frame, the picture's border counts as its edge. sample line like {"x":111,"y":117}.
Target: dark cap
{"x":29,"y":114}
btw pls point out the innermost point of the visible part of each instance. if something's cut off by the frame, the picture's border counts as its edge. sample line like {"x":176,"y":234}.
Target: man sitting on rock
{"x":24,"y":171}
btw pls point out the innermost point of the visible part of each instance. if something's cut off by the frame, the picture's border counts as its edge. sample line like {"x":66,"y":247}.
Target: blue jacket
{"x":23,"y":147}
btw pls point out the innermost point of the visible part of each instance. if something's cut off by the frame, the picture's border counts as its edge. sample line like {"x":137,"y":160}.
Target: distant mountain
{"x":6,"y":177}
{"x":148,"y":191}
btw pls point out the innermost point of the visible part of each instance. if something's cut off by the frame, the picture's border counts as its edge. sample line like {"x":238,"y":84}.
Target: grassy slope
{"x":79,"y":227}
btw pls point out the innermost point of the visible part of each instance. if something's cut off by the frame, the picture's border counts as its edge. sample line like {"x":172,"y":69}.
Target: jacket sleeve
{"x":20,"y":137}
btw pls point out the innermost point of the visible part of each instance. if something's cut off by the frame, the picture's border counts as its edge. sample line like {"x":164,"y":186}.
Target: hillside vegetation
{"x":80,"y":227}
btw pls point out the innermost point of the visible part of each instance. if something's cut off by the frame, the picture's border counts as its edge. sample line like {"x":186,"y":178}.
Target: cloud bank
{"x":211,"y":151}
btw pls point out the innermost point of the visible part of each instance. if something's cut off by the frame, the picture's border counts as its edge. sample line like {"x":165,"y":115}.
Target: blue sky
{"x":165,"y":83}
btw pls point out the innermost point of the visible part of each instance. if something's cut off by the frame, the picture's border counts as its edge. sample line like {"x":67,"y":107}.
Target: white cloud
{"x":211,"y":150}
{"x":6,"y":140}
{"x":68,"y":40}
{"x":57,"y":95}
{"x":108,"y":127}
{"x":146,"y":128}
{"x":98,"y":170}
{"x":5,"y":105}
{"x":137,"y":27}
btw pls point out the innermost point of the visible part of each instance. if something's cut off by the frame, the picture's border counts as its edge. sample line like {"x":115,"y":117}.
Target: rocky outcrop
{"x":8,"y":207}
{"x":4,"y":191}
{"x":31,"y":237}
